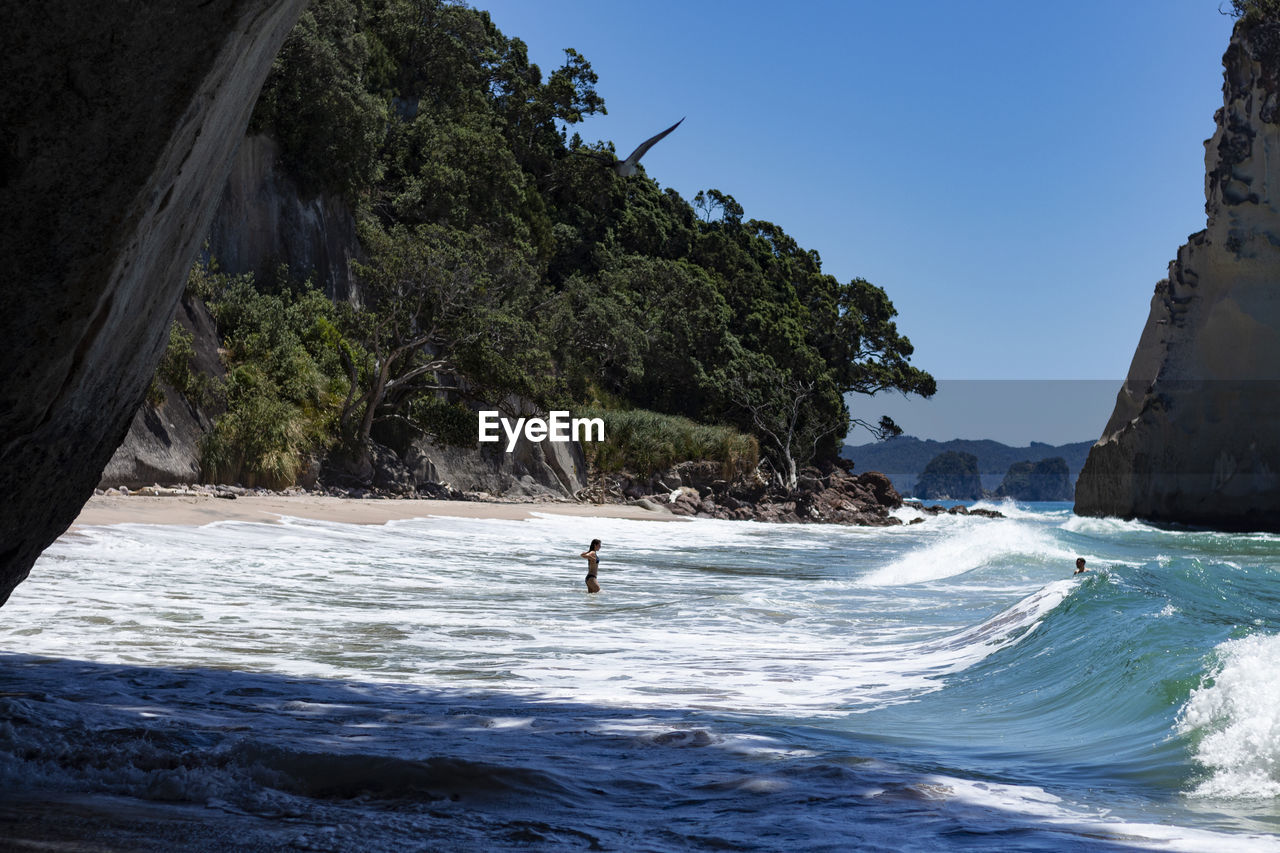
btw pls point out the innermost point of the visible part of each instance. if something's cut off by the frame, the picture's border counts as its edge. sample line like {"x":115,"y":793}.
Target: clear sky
{"x":1016,"y":176}
{"x":1014,"y":411}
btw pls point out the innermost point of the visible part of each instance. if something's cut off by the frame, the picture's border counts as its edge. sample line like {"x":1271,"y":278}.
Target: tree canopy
{"x":503,"y":265}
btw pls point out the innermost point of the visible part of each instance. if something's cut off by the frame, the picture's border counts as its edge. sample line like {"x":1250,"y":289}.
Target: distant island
{"x":904,"y":458}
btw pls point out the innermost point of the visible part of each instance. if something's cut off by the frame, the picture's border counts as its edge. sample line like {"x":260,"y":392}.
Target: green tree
{"x":445,"y":315}
{"x":284,"y":382}
{"x":793,"y":417}
{"x":316,"y":104}
{"x":503,"y":265}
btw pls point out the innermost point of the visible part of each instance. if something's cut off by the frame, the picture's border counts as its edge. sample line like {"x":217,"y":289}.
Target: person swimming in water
{"x":592,"y":556}
{"x":1079,"y":566}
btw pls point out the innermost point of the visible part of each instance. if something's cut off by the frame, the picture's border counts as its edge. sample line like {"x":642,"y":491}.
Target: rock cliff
{"x":1194,"y":438}
{"x":532,"y":470}
{"x":262,"y":219}
{"x":163,"y":442}
{"x":950,"y":476}
{"x":116,"y":132}
{"x":265,"y":219}
{"x":1045,"y":480}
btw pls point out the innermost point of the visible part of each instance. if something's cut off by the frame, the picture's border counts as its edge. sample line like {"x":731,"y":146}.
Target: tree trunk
{"x":789,"y":472}
{"x":376,"y":394}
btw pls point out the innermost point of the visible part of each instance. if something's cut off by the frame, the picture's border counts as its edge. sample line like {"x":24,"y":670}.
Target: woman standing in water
{"x":592,"y":555}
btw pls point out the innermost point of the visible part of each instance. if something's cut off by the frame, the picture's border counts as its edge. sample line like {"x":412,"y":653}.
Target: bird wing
{"x":647,"y":144}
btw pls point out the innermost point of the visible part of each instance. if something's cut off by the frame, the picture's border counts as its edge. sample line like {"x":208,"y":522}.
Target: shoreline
{"x":199,"y":510}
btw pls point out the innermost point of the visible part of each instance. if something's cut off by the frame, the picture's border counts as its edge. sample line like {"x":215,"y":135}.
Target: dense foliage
{"x":503,"y":267}
{"x":644,"y":441}
{"x":283,"y":384}
{"x":1256,"y":11}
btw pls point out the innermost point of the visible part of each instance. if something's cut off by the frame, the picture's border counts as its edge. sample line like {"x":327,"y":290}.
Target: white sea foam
{"x":971,"y":544}
{"x":1013,"y":622}
{"x":910,"y":669}
{"x":1234,"y":717}
{"x":685,"y":620}
{"x":1109,"y":527}
{"x":1071,"y":820}
{"x":907,"y":514}
{"x":1010,"y":508}
{"x":718,"y":673}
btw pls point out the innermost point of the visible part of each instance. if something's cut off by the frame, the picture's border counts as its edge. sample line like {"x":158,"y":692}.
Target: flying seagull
{"x":626,"y":168}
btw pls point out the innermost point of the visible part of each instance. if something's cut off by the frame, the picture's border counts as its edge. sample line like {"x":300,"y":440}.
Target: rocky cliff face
{"x":1194,"y":438}
{"x":116,"y":132}
{"x":264,"y":219}
{"x":163,"y":442}
{"x":532,"y":470}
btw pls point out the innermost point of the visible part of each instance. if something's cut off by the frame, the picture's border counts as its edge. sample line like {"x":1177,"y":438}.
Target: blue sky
{"x":1016,"y":176}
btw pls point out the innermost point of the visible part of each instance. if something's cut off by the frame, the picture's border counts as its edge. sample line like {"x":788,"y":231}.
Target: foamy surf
{"x":320,"y":599}
{"x":972,"y":544}
{"x":1234,"y":719}
{"x":1010,"y":508}
{"x":447,"y":683}
{"x":238,"y":760}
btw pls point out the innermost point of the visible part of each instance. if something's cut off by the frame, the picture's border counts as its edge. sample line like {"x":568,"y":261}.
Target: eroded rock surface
{"x":163,"y":442}
{"x":545,"y":470}
{"x":264,"y":219}
{"x":1195,"y":435}
{"x":116,"y":132}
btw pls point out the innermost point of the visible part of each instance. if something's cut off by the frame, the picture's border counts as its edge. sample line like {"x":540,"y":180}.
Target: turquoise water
{"x":447,"y":684}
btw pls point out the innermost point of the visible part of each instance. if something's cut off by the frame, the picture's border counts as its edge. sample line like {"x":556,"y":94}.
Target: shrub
{"x":644,"y":442}
{"x":1256,"y":11}
{"x":259,"y":441}
{"x":284,"y":386}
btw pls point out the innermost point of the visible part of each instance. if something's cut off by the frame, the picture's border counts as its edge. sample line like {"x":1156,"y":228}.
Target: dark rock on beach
{"x":937,"y":509}
{"x":831,"y":494}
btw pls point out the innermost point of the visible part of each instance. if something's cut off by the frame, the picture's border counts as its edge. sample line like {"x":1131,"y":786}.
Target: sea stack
{"x":1195,"y":435}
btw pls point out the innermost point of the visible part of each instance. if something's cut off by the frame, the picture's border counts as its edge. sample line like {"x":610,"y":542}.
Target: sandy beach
{"x":198,"y":510}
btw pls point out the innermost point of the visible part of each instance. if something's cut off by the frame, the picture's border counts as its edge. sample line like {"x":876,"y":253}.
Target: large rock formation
{"x":1045,"y":480}
{"x":1195,"y":435}
{"x":262,"y":220}
{"x":163,"y":442}
{"x":116,"y":131}
{"x":532,"y":469}
{"x":950,"y":476}
{"x":265,"y":219}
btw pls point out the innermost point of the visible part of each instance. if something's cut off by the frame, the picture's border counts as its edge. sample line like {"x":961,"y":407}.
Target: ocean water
{"x":447,"y":684}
